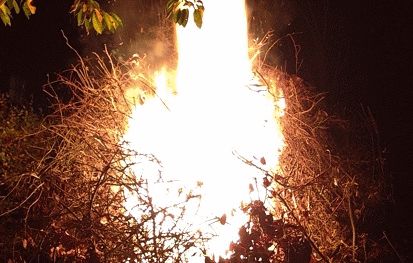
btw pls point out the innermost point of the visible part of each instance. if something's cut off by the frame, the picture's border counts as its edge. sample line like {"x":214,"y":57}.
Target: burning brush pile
{"x":327,"y":195}
{"x":226,"y":164}
{"x":67,"y":201}
{"x":70,"y":197}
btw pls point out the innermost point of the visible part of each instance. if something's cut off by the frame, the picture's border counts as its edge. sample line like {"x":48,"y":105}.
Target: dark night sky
{"x":31,"y":49}
{"x":380,"y":75}
{"x":366,"y":40}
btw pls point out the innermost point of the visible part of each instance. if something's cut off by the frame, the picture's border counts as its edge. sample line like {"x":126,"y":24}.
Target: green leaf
{"x":117,"y":19}
{"x":97,"y":25}
{"x":171,"y":3}
{"x":175,"y":16}
{"x":109,"y":22}
{"x":171,"y":8}
{"x":26,"y":10}
{"x":87,"y":25}
{"x":5,"y":10}
{"x":79,"y":17}
{"x":16,"y":7}
{"x":4,"y":16}
{"x":185,"y":17}
{"x":182,"y":17}
{"x":198,"y":14}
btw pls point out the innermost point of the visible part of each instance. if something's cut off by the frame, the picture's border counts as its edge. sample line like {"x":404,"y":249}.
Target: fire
{"x":219,"y":117}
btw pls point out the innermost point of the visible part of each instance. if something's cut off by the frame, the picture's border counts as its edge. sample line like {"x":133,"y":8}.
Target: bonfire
{"x":222,"y":159}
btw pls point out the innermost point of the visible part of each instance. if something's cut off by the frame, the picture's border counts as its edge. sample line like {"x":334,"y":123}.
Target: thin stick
{"x":391,"y":245}
{"x":353,"y":227}
{"x":22,"y":203}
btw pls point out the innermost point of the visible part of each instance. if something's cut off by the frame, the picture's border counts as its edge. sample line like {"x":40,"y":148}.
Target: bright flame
{"x":219,"y":115}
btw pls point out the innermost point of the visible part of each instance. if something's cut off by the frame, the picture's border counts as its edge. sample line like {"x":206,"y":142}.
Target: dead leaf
{"x":31,"y":7}
{"x":223,"y":219}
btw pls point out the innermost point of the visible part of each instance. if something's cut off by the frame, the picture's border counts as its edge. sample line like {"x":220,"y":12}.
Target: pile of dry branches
{"x":329,"y":195}
{"x":331,"y":179}
{"x":66,"y":199}
{"x":68,"y":202}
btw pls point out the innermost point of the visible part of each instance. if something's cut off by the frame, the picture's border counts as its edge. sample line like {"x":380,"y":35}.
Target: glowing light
{"x":219,"y":116}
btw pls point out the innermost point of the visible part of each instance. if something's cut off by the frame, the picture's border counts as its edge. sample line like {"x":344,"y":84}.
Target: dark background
{"x":357,"y":51}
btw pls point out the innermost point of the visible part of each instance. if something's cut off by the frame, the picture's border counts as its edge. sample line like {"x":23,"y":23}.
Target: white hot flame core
{"x":217,"y":116}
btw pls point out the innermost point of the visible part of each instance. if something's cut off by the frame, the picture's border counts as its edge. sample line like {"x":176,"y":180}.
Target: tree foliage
{"x":179,"y":10}
{"x":7,"y":7}
{"x":91,"y":16}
